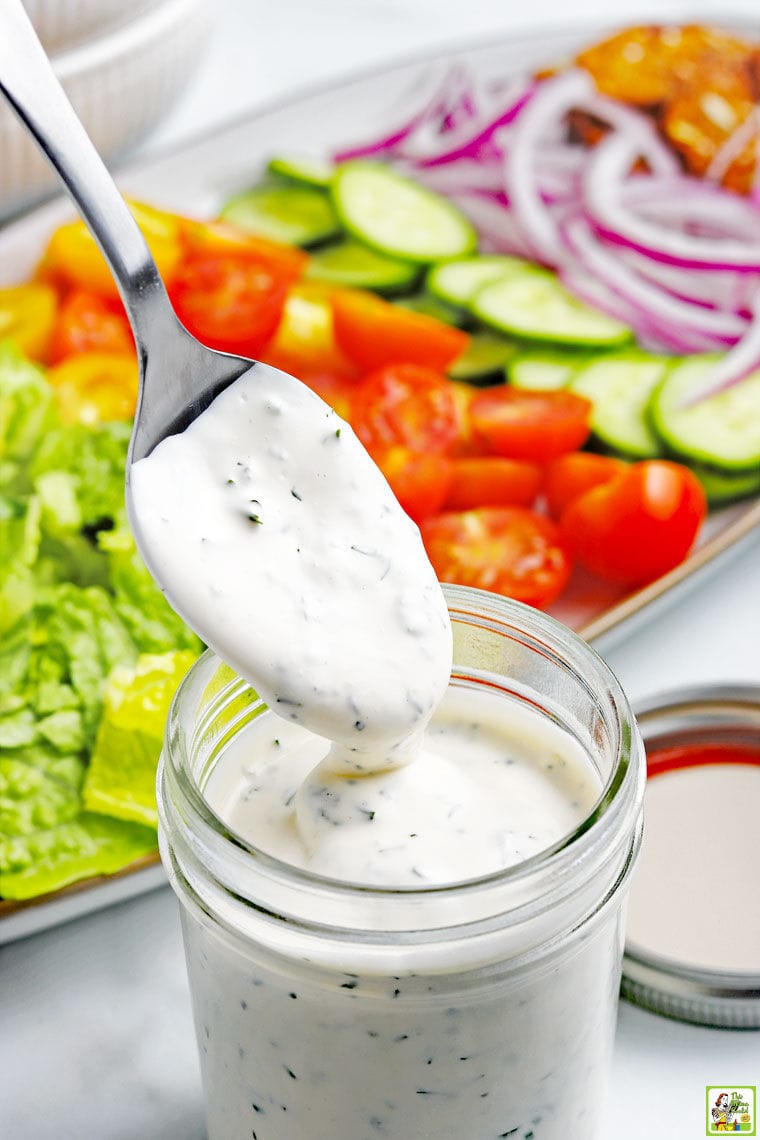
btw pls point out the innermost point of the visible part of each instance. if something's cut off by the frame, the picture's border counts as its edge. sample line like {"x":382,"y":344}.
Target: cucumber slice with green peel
{"x":722,"y":431}
{"x":398,"y":216}
{"x":620,"y":386}
{"x":309,"y":171}
{"x":432,"y":307}
{"x":355,"y":265}
{"x":457,"y":281}
{"x":484,"y":359}
{"x":723,"y":487}
{"x":539,"y":370}
{"x":534,"y":304}
{"x":299,"y":215}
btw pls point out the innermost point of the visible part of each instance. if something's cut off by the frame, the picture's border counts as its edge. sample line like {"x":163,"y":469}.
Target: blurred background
{"x":174,"y":68}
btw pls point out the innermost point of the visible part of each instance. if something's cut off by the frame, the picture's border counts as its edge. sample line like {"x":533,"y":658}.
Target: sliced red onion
{"x":609,"y":163}
{"x":451,"y":100}
{"x":637,"y":127}
{"x":498,"y":227}
{"x":479,"y":141}
{"x":651,"y":299}
{"x":736,"y":365}
{"x":708,"y":288}
{"x":734,"y":146}
{"x":464,"y":177}
{"x":686,"y":201}
{"x":550,"y":103}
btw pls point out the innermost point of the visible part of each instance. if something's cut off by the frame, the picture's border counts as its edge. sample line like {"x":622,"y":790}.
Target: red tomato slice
{"x":638,"y":526}
{"x":492,"y":481}
{"x":508,"y":550}
{"x":211,"y":239}
{"x":568,"y":476}
{"x":405,"y":404}
{"x":232,"y":302}
{"x":87,"y":322}
{"x":530,"y":424}
{"x":373,"y":333}
{"x":419,"y":482}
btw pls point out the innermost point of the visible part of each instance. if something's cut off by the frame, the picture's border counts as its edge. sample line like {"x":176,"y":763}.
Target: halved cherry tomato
{"x":466,"y":444}
{"x":95,"y":387}
{"x":405,"y":404}
{"x":508,"y":550}
{"x":212,"y":238}
{"x":87,"y":322}
{"x":638,"y":526}
{"x":27,"y":313}
{"x":72,"y":258}
{"x":373,"y":333}
{"x":532,"y":425}
{"x":492,"y":481}
{"x":418,"y":481}
{"x":232,"y":302}
{"x":569,"y":475}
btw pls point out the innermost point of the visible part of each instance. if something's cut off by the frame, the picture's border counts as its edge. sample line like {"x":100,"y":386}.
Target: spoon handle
{"x":29,"y":84}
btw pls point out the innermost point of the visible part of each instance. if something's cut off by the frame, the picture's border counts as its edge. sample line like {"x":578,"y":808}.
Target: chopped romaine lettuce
{"x":121,"y":778}
{"x":27,"y":405}
{"x":152,"y":623}
{"x":20,"y":534}
{"x":76,"y":604}
{"x":87,"y":845}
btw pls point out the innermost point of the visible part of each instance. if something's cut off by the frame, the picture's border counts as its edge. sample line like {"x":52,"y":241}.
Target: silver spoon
{"x":179,"y":377}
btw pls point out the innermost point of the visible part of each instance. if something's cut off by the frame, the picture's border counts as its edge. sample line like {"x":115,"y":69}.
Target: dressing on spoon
{"x":282,"y":544}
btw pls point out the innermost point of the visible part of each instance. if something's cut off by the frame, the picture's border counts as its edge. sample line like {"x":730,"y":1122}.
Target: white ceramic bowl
{"x":61,"y":24}
{"x":121,"y":84}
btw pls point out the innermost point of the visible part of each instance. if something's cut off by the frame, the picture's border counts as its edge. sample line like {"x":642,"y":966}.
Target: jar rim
{"x":548,"y":634}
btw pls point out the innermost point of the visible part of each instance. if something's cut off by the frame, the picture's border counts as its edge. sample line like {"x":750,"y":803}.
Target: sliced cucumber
{"x":484,"y":359}
{"x":722,"y":431}
{"x":309,"y":171}
{"x":457,"y":281}
{"x":544,"y":369}
{"x":354,"y":264}
{"x":300,"y":215}
{"x":535,"y":305}
{"x":397,"y":216}
{"x":432,"y":307}
{"x":620,"y":386}
{"x":722,"y":487}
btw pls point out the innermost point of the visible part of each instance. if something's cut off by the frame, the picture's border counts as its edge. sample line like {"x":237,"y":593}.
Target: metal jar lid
{"x":693,"y":935}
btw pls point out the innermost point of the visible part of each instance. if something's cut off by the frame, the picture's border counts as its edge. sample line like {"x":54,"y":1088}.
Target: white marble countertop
{"x":96,"y":1039}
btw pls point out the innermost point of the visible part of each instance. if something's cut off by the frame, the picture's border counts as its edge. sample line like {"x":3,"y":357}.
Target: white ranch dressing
{"x":283,"y":545}
{"x":486,"y":791}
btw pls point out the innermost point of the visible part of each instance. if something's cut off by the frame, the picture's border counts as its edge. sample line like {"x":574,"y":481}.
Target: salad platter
{"x":387,"y":116}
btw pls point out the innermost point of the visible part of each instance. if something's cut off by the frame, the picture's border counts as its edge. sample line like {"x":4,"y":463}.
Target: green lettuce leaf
{"x":20,"y":534}
{"x":86,"y":845}
{"x":152,"y":623}
{"x":121,"y":778}
{"x":27,"y":405}
{"x":94,"y":460}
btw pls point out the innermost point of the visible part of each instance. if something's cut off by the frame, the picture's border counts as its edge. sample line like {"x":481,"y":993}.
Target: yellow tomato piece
{"x":95,"y":387}
{"x":27,"y":315}
{"x":306,"y":325}
{"x":73,"y":256}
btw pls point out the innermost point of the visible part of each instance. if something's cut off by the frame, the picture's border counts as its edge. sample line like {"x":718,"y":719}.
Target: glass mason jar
{"x":325,"y":1010}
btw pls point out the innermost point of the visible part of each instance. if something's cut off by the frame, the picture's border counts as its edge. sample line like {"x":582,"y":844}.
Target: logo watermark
{"x":731,"y":1108}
